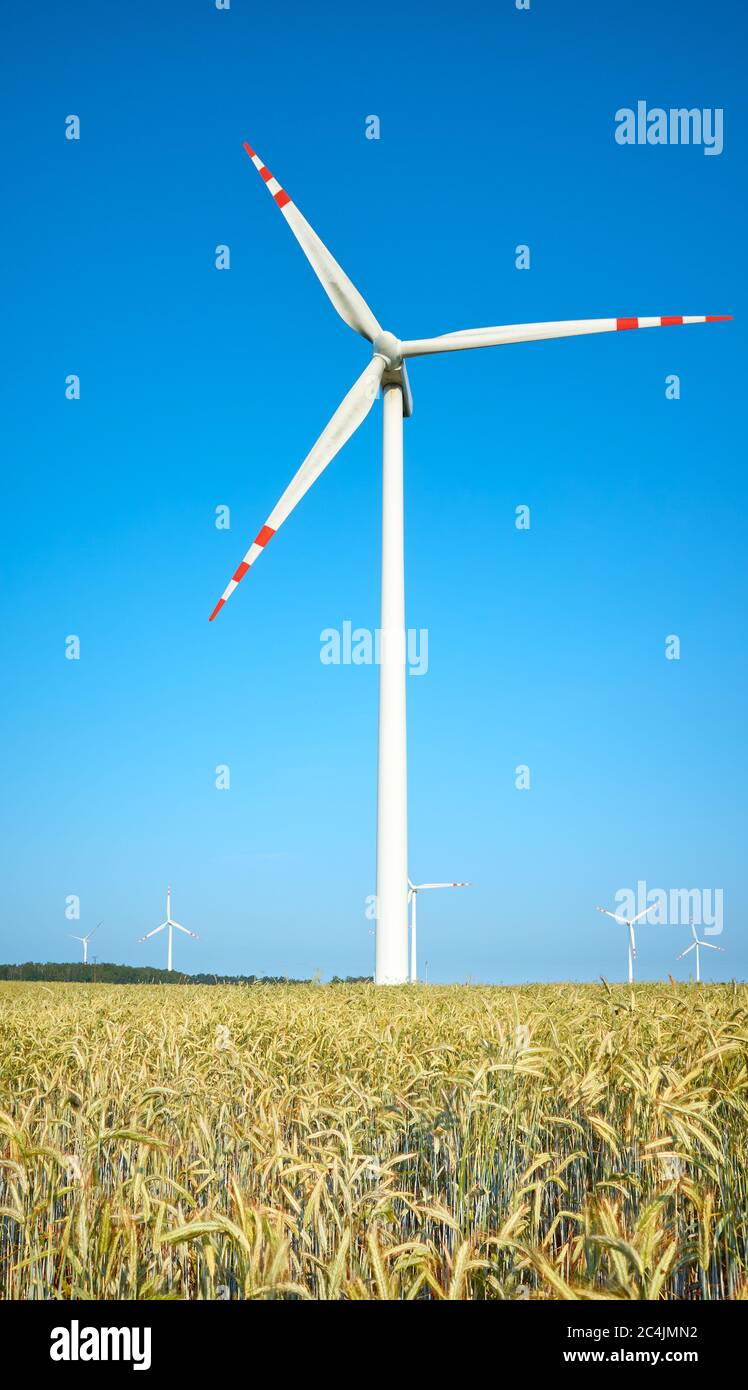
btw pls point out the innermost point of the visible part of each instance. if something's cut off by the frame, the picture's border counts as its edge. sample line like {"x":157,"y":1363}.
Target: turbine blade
{"x":710,"y":946}
{"x":155,"y":932}
{"x":179,"y":927}
{"x":642,"y":914}
{"x":444,"y":885}
{"x":351,"y":306}
{"x":692,"y":947}
{"x":349,"y":415}
{"x":531,"y":332}
{"x":614,"y":915}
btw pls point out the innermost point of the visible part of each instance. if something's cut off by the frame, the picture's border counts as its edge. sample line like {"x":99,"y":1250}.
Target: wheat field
{"x":342,"y":1142}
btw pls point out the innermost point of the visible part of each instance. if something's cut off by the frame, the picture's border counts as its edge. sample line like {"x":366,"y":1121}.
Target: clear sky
{"x":203,"y":388}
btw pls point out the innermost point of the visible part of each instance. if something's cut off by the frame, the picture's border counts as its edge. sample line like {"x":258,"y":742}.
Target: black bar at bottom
{"x":108,"y":1339}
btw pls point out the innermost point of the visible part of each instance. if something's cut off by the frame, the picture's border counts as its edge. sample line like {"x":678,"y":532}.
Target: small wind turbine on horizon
{"x":695,"y":946}
{"x":170,"y":924}
{"x":387,"y":369}
{"x":85,"y":940}
{"x":628,"y":922}
{"x":413,"y":890}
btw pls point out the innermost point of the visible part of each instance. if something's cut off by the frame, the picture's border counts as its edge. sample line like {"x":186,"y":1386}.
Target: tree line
{"x":105,"y":973}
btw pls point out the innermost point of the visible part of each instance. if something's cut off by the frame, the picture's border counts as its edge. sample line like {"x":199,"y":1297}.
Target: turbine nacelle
{"x":389,"y":348}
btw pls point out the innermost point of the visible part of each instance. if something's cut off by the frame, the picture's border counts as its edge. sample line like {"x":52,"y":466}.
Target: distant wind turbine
{"x":171,"y":924}
{"x":628,"y":922}
{"x":413,"y":890}
{"x":695,"y":945}
{"x":85,"y":940}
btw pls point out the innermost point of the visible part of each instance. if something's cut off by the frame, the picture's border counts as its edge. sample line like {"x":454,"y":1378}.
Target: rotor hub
{"x":387,"y":346}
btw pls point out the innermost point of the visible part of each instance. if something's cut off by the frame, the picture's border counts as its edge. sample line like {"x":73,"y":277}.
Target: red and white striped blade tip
{"x":258,"y":544}
{"x":280,"y":195}
{"x":672,"y":321}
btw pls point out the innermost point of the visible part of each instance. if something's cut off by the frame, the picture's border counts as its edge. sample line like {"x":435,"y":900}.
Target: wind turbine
{"x":628,"y":922}
{"x":85,"y":940}
{"x":387,"y":369}
{"x":695,"y":944}
{"x":170,"y":923}
{"x":413,"y":890}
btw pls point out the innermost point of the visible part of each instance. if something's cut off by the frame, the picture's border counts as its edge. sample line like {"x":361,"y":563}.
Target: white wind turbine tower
{"x":170,"y":924}
{"x":695,"y":946}
{"x":85,"y":940}
{"x":413,"y":890}
{"x":387,"y":369}
{"x":628,"y":922}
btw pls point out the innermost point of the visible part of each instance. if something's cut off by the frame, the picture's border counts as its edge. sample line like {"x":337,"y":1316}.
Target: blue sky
{"x":202,"y":388}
